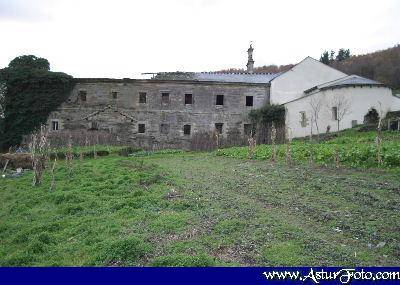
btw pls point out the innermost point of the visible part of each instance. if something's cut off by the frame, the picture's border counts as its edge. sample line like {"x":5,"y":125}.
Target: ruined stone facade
{"x":159,"y":113}
{"x":169,"y":109}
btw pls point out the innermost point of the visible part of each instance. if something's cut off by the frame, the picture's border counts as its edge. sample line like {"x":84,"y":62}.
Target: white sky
{"x":96,"y":38}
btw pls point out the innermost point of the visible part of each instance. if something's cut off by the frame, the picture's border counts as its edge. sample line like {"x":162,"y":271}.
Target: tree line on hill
{"x":382,"y":66}
{"x":261,"y":69}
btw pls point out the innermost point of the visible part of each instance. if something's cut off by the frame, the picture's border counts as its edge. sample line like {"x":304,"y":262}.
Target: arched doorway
{"x":372,"y":117}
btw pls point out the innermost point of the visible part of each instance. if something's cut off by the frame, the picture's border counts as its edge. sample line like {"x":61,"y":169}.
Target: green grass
{"x":355,"y":149}
{"x":199,"y":209}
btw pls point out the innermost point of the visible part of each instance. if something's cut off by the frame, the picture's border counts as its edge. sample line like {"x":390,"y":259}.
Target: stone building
{"x":165,"y":111}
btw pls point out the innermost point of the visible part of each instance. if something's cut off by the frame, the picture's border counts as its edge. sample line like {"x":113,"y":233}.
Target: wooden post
{"x":5,"y":165}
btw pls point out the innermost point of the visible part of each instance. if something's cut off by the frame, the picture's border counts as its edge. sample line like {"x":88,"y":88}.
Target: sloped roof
{"x":350,"y":80}
{"x":217,"y":77}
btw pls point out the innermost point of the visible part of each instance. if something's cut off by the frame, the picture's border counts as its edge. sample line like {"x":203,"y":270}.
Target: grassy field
{"x":199,"y":209}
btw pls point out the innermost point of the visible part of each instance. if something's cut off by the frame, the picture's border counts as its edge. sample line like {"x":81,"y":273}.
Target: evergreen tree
{"x":325,"y":57}
{"x":343,"y":54}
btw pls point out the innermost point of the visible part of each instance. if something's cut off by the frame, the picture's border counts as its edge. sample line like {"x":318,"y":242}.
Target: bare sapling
{"x":69,"y":156}
{"x":336,"y":157}
{"x":5,"y":166}
{"x":340,"y":107}
{"x":94,"y":152}
{"x":216,"y":136}
{"x":378,"y":139}
{"x":81,"y":156}
{"x":273,"y":143}
{"x":252,"y":146}
{"x":288,"y":154}
{"x":316,"y":104}
{"x":311,"y":151}
{"x":39,"y":151}
{"x":87,"y":143}
{"x":53,"y":176}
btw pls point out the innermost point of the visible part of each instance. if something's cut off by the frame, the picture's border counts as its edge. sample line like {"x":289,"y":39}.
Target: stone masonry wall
{"x":123,"y":114}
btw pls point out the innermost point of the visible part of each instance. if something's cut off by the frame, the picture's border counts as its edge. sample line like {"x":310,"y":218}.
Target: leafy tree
{"x":29,"y":62}
{"x":29,"y":93}
{"x":264,"y":118}
{"x":325,"y":57}
{"x":343,"y":54}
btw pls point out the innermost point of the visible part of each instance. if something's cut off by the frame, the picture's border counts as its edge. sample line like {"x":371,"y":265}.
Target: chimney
{"x":250,"y":61}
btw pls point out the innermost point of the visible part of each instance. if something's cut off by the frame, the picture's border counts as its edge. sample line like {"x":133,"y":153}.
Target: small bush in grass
{"x":36,"y":247}
{"x":18,"y":259}
{"x":124,"y":252}
{"x":45,"y":238}
{"x":199,"y":260}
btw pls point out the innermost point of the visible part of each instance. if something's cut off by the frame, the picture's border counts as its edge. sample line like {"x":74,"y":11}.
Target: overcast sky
{"x":95,"y":38}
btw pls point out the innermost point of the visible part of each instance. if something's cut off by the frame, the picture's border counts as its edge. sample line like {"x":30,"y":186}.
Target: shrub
{"x":31,"y":93}
{"x":124,"y":252}
{"x":353,"y":150}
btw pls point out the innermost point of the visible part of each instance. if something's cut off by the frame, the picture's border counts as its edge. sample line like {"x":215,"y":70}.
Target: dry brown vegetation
{"x":382,"y":66}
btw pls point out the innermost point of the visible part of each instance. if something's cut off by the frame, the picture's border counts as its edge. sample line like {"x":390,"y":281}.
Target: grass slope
{"x":355,"y":149}
{"x":200,"y":210}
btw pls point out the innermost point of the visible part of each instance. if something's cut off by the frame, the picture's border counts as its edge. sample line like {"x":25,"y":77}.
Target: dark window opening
{"x":249,"y":100}
{"x":248,"y":129}
{"x":394,"y":125}
{"x":188,"y":99}
{"x":82,"y":96}
{"x":114,"y":94}
{"x":219,"y":100}
{"x":187,"y":129}
{"x":165,"y":98}
{"x":164,"y":129}
{"x":372,"y":117}
{"x":218,"y":128}
{"x":334,"y":113}
{"x":94,"y":126}
{"x":303,"y":119}
{"x":142,"y":128}
{"x":54,"y":125}
{"x":142,"y":97}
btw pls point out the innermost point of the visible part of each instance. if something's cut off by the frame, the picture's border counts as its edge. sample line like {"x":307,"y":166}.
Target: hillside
{"x":382,"y":66}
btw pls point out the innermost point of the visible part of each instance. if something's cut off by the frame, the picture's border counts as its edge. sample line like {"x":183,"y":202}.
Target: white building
{"x":318,"y":97}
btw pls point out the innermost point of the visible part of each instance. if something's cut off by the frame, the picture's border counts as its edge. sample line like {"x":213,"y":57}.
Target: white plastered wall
{"x":360,"y":101}
{"x":305,"y":75}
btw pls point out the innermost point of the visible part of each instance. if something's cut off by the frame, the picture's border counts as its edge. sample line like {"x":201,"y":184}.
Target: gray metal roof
{"x":350,"y":80}
{"x":218,"y":77}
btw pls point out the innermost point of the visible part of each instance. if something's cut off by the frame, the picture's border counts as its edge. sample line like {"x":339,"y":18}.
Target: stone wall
{"x":114,"y":105}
